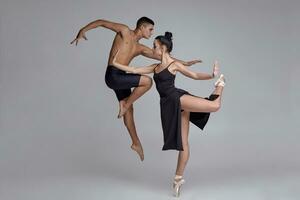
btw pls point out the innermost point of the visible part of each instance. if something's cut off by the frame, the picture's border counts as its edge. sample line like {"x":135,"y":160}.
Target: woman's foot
{"x":122,"y":108}
{"x":220,"y":81}
{"x":139,"y":150}
{"x":178,"y":182}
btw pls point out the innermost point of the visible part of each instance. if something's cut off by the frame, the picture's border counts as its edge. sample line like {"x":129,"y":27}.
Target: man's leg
{"x":128,"y":120}
{"x":130,"y":125}
{"x":144,"y":85}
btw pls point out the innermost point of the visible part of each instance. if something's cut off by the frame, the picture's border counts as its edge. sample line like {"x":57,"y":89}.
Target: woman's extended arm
{"x":197,"y":75}
{"x":149,"y":53}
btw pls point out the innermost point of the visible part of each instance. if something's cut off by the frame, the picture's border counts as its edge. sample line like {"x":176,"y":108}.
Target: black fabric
{"x":120,"y":81}
{"x":170,"y":110}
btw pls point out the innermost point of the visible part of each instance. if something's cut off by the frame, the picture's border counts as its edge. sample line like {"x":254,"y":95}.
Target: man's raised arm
{"x":116,"y":27}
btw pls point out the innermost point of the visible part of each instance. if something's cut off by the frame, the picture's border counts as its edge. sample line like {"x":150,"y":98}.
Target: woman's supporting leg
{"x":183,"y":156}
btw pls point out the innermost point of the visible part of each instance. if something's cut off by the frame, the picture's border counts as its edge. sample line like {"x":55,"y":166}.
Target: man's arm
{"x":116,"y":27}
{"x":149,"y":53}
{"x":136,"y":70}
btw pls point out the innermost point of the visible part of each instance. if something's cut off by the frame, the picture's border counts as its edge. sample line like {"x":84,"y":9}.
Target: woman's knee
{"x":216,"y":106}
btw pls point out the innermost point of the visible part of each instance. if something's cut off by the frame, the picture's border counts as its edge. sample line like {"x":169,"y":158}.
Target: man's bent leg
{"x":145,"y":84}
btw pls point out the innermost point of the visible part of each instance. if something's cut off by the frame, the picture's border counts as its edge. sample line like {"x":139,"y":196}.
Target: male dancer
{"x":126,"y":42}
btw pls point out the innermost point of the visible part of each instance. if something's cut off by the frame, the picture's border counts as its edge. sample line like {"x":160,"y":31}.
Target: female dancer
{"x":178,"y":107}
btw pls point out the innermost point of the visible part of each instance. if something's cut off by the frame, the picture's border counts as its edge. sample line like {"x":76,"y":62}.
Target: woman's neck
{"x":166,"y":59}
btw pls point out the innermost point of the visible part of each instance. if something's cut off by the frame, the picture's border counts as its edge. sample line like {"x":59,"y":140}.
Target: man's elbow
{"x":124,"y":29}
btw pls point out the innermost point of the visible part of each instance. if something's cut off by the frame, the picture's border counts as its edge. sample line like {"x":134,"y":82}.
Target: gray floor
{"x":152,"y":186}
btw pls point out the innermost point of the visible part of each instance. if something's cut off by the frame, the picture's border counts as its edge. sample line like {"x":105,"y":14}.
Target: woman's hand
{"x":80,"y":35}
{"x":216,"y":69}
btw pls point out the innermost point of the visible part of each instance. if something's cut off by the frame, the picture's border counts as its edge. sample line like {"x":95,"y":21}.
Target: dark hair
{"x":166,"y":40}
{"x":144,"y":20}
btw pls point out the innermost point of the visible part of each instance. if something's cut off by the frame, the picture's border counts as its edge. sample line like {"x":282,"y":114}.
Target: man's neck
{"x":137,"y":34}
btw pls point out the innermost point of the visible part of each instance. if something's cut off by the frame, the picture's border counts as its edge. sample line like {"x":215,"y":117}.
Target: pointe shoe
{"x":177,"y":186}
{"x":220,"y":81}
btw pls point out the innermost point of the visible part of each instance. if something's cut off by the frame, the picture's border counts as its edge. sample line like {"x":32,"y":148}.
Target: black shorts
{"x":120,"y":81}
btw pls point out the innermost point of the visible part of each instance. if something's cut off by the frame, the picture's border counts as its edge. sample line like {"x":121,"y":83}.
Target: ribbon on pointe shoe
{"x":177,"y":185}
{"x":220,"y":81}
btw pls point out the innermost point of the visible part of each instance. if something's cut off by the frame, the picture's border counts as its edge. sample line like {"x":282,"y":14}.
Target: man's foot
{"x":220,"y":81}
{"x":139,"y":150}
{"x":122,"y":108}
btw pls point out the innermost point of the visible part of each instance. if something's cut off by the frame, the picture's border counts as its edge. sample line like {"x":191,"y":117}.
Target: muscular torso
{"x":127,"y":46}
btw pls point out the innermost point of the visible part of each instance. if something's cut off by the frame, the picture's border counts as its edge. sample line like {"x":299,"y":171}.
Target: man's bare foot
{"x":122,"y":108}
{"x":139,"y":150}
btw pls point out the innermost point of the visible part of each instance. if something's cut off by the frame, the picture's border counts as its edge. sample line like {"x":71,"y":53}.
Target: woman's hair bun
{"x":168,"y":35}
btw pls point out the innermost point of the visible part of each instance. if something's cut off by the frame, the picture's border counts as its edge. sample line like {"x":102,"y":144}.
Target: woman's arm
{"x":149,"y":53}
{"x":196,"y":75}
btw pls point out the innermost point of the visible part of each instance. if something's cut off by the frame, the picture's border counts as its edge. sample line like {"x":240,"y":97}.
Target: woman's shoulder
{"x":176,"y":65}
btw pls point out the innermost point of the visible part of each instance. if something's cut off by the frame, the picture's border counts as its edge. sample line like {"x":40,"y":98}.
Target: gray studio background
{"x":58,"y":119}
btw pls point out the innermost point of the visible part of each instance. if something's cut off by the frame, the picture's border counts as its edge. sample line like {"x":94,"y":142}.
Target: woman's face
{"x":157,"y":47}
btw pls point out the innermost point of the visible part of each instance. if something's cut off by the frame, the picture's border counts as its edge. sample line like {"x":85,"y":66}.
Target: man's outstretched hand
{"x":80,"y":35}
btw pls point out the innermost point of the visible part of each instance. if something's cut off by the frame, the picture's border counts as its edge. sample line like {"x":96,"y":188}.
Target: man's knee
{"x":146,"y":81}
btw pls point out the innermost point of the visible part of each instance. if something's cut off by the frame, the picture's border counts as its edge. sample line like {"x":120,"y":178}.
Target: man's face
{"x":147,"y":30}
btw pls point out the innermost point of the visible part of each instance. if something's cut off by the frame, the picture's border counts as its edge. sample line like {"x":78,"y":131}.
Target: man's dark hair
{"x":144,"y":20}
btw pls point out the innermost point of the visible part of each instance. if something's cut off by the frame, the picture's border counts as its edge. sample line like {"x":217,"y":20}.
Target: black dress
{"x":170,"y":109}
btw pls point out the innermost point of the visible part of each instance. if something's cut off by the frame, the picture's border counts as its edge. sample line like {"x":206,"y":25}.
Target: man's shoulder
{"x":142,"y":46}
